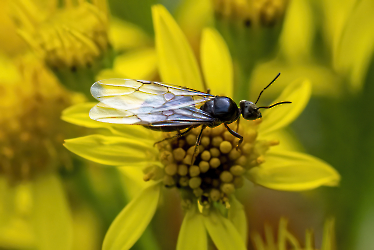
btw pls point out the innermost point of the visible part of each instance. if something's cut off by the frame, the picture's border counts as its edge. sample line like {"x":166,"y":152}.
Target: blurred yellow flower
{"x":353,"y":44}
{"x":31,"y":131}
{"x":286,"y":240}
{"x":11,"y":43}
{"x":336,"y":59}
{"x":203,"y":188}
{"x":295,"y":58}
{"x":31,"y":134}
{"x":251,"y":13}
{"x":54,"y":34}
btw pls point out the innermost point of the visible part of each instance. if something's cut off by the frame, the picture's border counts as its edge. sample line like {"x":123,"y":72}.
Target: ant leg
{"x":237,"y":124}
{"x":198,"y":140}
{"x":175,"y":136}
{"x":237,"y":135}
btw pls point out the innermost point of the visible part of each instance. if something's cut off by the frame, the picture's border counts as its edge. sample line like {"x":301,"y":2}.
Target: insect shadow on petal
{"x":165,"y":107}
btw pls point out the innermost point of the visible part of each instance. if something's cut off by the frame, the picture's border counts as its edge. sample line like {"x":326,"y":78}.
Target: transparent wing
{"x":147,"y":103}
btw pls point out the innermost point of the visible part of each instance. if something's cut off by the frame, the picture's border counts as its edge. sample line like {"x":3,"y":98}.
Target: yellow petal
{"x":17,"y":234}
{"x":298,"y":31}
{"x":237,"y":217}
{"x":222,"y":231}
{"x":257,"y":241}
{"x":52,"y":219}
{"x":9,"y":72}
{"x":124,"y":35}
{"x":87,"y":226}
{"x":109,"y":73}
{"x":335,"y":15}
{"x":309,"y":240}
{"x":280,"y":116}
{"x":192,"y":234}
{"x":328,"y":241}
{"x":7,"y":196}
{"x":132,"y":180}
{"x":139,"y":64}
{"x":288,"y":140}
{"x":285,"y":237}
{"x":130,"y":224}
{"x":292,"y":171}
{"x":176,"y":61}
{"x":111,"y":150}
{"x":323,"y":79}
{"x":78,"y":115}
{"x":216,"y":63}
{"x":15,"y":229}
{"x":203,"y":16}
{"x":356,"y":47}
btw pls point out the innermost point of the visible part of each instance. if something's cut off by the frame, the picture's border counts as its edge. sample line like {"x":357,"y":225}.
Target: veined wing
{"x":172,"y":117}
{"x":147,"y":103}
{"x":142,"y":96}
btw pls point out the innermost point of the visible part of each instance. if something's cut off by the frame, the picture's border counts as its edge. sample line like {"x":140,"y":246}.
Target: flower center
{"x":219,"y":168}
{"x":251,"y":13}
{"x":31,"y":131}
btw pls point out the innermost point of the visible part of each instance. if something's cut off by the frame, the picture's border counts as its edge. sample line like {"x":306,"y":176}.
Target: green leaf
{"x":111,"y":150}
{"x":192,"y":234}
{"x":176,"y":61}
{"x":216,"y":63}
{"x":52,"y":219}
{"x":222,"y":231}
{"x":130,"y":224}
{"x":280,"y":116}
{"x":292,"y":171}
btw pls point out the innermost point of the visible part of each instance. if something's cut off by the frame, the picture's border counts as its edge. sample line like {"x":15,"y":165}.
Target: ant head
{"x":249,"y":110}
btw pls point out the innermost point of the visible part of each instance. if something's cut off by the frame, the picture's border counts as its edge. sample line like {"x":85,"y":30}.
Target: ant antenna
{"x":275,"y":104}
{"x":258,"y":98}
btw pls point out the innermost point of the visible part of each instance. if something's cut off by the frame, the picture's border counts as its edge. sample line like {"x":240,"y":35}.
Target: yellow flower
{"x":30,"y":126}
{"x":251,"y":13}
{"x":219,"y":170}
{"x":286,"y":240}
{"x":333,"y":50}
{"x":31,"y":134}
{"x":10,"y":42}
{"x":72,"y":36}
{"x":295,"y":56}
{"x":353,"y":40}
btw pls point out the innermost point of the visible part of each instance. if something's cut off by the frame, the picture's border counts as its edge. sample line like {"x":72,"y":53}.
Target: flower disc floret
{"x":218,"y":168}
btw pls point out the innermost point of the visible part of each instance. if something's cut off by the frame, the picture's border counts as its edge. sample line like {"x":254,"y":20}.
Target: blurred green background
{"x":330,"y":43}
